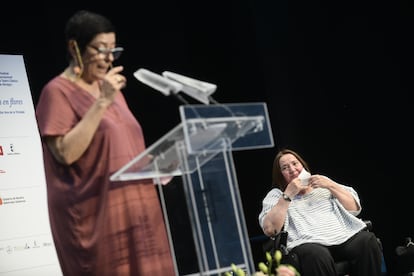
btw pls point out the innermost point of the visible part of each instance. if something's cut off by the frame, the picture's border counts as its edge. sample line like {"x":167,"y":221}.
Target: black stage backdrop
{"x":336,"y":77}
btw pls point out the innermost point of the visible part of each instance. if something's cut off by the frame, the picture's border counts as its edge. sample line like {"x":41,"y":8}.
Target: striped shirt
{"x":316,"y":217}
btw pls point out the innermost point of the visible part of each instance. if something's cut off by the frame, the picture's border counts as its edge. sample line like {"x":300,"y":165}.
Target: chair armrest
{"x":276,"y":242}
{"x":369,"y":224}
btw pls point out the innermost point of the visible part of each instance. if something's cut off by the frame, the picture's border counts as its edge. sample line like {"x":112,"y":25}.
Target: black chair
{"x":405,"y":258}
{"x":279,"y":241}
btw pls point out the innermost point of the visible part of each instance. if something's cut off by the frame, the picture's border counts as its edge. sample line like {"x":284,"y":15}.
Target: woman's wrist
{"x":286,"y":197}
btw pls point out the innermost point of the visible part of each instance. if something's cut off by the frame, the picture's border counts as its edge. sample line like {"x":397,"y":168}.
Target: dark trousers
{"x":363,"y":250}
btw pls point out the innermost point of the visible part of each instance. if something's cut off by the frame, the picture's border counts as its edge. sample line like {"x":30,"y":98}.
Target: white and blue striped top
{"x":316,"y":217}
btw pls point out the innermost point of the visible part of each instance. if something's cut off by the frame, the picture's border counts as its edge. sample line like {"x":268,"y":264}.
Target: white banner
{"x":26,"y":244}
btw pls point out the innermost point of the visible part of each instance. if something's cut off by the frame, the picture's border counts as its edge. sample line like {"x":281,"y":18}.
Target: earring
{"x":77,"y":69}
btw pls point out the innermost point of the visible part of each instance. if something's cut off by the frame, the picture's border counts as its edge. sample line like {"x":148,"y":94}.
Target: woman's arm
{"x":70,"y":147}
{"x":274,"y":220}
{"x":343,"y":195}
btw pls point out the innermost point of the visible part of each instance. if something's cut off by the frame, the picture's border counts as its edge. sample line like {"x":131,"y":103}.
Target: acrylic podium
{"x":199,"y":150}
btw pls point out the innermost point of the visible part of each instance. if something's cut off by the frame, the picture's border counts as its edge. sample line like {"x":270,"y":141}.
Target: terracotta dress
{"x":100,"y":227}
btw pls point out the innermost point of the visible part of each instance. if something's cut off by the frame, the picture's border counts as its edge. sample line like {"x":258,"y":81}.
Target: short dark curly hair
{"x":84,"y":25}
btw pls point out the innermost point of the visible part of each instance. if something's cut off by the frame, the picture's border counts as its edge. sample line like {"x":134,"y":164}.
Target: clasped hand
{"x":315,"y":181}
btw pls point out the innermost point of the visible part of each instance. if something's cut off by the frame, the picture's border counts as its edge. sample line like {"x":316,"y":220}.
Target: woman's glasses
{"x":116,"y":52}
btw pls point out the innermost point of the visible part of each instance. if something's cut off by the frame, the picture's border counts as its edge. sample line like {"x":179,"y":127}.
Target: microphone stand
{"x":180,"y":98}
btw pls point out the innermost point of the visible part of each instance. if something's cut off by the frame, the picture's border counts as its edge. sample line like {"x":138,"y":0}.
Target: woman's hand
{"x":112,"y":83}
{"x":320,"y":181}
{"x":294,"y":187}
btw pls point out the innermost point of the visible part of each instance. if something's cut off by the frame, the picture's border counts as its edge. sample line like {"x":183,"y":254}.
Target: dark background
{"x":335,"y":75}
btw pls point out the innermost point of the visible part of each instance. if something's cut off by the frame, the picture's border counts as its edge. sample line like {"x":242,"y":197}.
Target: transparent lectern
{"x":199,"y":150}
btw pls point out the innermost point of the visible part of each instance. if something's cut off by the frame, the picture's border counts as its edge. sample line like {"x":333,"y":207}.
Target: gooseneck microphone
{"x":196,"y":89}
{"x":166,"y":86}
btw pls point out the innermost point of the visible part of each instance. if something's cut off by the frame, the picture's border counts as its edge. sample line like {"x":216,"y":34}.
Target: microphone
{"x":199,"y":90}
{"x":202,"y":91}
{"x":158,"y":82}
{"x":165,"y":86}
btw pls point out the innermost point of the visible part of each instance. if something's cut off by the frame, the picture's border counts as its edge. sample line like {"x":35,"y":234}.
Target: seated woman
{"x":320,"y":216}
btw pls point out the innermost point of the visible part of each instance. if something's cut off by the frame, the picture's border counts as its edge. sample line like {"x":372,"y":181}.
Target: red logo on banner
{"x":1,"y":150}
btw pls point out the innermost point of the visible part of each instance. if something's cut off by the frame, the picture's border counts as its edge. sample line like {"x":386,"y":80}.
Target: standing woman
{"x":88,"y":133}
